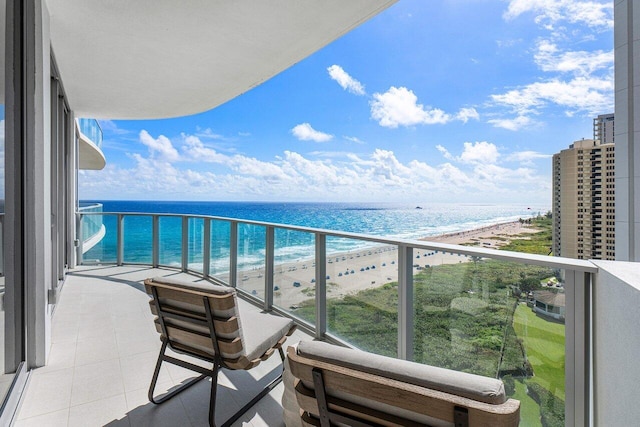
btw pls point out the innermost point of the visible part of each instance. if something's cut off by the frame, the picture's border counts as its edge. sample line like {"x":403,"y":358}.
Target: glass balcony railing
{"x":518,"y":317}
{"x":91,"y":128}
{"x":92,"y":227}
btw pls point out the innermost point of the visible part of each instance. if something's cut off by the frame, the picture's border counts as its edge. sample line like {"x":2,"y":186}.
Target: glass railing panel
{"x":170,"y":241}
{"x":195,"y":241}
{"x":91,"y":128}
{"x":294,"y":279}
{"x":220,"y":250}
{"x":104,"y":251}
{"x":477,"y":315}
{"x":362,"y":294}
{"x":251,"y":259}
{"x":138,"y":239}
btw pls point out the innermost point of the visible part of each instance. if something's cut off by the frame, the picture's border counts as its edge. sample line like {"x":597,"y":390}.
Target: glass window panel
{"x":362,"y":294}
{"x":294,"y":279}
{"x":170,"y":241}
{"x":251,"y":259}
{"x":138,"y":239}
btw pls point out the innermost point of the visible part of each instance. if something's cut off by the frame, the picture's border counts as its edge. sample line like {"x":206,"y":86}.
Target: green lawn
{"x":544,"y":343}
{"x":529,"y":409}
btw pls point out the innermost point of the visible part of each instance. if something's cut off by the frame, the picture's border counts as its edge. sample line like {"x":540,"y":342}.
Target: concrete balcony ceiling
{"x":143,"y":59}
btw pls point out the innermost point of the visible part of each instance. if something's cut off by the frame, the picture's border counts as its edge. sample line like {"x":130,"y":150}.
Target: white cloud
{"x":467,"y":113}
{"x":550,"y":12}
{"x":447,"y":155}
{"x":550,"y":58}
{"x":160,"y":146}
{"x":111,"y":127}
{"x":376,"y":175}
{"x":208,"y":134}
{"x":353,"y":139}
{"x":527,"y":157}
{"x":304,"y":132}
{"x":482,"y":152}
{"x":514,"y":124}
{"x":399,"y":107}
{"x":347,"y":82}
{"x":591,"y":95}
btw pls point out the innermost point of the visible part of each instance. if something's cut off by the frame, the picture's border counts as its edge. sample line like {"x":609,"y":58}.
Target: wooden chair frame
{"x":217,"y":360}
{"x":320,"y":408}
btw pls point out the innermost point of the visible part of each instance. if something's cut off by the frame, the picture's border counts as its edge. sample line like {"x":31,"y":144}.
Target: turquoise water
{"x":378,"y":219}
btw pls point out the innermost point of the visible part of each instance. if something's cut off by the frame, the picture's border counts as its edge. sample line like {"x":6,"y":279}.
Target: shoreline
{"x":349,"y":272}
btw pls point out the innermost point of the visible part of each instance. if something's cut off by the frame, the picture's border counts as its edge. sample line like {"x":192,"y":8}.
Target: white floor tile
{"x":96,"y":381}
{"x":110,"y":412}
{"x":52,"y":419}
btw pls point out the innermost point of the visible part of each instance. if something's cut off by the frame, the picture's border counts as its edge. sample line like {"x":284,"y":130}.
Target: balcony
{"x":445,"y":305}
{"x":92,"y":229}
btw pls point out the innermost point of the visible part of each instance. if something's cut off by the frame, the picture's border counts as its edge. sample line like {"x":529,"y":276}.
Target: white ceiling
{"x":126,"y":59}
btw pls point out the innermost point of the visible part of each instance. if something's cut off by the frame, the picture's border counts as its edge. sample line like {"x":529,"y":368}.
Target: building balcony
{"x":452,"y":306}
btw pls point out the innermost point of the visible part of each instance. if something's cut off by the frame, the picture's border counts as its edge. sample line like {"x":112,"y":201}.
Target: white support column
{"x":30,"y":164}
{"x":627,"y":130}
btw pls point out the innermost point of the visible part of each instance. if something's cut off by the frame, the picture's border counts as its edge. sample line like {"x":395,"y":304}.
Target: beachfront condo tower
{"x":584,"y":195}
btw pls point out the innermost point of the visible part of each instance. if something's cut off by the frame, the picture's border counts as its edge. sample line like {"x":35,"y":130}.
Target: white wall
{"x":627,"y":129}
{"x":616,"y":342}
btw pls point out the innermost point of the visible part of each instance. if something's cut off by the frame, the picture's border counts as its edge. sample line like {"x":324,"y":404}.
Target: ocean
{"x":378,"y":219}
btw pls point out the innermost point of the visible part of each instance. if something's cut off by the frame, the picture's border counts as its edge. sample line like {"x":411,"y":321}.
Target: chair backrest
{"x":378,"y":390}
{"x":187,"y":327}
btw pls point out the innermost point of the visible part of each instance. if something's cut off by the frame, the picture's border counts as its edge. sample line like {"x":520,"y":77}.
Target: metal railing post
{"x":405,"y":302}
{"x":79,"y":239}
{"x":206,"y":248}
{"x":120,"y":240}
{"x":321,"y":285}
{"x":270,"y":243}
{"x":233,"y":254}
{"x":185,"y":243}
{"x":577,"y":348}
{"x":155,"y":241}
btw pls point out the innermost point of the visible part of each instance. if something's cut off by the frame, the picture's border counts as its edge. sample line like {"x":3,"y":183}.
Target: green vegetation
{"x":534,"y":243}
{"x":468,"y":317}
{"x":544,"y":344}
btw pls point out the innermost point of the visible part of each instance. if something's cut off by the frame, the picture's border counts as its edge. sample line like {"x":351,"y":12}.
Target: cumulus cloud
{"x":576,"y":81}
{"x":482,"y":152}
{"x":550,"y":12}
{"x":479,"y":152}
{"x":551,"y":58}
{"x":527,"y":157}
{"x":465,"y":114}
{"x":513,"y":124}
{"x":160,"y":147}
{"x":445,"y":152}
{"x":304,"y":132}
{"x":399,"y":107}
{"x":347,"y":82}
{"x":375,"y":175}
{"x":591,"y":95}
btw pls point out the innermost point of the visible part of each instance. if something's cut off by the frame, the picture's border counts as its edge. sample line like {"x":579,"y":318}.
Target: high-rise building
{"x":584,"y":196}
{"x":603,"y":127}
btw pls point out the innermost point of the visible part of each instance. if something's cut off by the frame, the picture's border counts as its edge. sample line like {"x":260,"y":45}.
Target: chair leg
{"x":154,"y":380}
{"x":257,"y":398}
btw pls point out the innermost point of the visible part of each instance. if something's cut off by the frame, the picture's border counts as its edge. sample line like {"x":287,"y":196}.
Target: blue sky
{"x":438,"y":101}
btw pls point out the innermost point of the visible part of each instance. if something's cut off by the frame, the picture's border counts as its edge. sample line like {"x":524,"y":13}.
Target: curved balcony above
{"x":89,"y":141}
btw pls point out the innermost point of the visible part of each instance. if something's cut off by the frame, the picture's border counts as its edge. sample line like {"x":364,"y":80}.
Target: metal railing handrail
{"x":585,"y":266}
{"x":578,"y":287}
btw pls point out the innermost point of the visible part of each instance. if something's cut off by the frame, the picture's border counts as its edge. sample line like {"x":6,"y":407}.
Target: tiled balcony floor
{"x":103,"y":352}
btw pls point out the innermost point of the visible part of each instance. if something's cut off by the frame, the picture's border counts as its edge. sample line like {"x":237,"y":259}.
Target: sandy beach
{"x":352,"y":271}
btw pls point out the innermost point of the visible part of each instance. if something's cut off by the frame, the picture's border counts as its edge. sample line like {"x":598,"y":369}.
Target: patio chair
{"x":338,"y":386}
{"x":203,"y":321}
